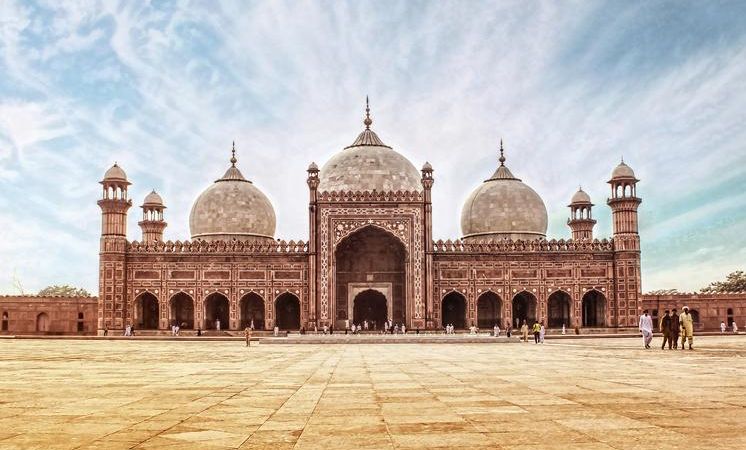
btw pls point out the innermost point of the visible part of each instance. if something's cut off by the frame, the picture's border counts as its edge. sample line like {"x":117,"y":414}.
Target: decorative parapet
{"x":522,"y":246}
{"x":242,"y":247}
{"x":370,"y":196}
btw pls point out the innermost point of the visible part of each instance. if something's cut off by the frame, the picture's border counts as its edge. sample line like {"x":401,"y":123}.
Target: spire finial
{"x":367,"y":120}
{"x":233,"y":155}
{"x":622,"y":159}
{"x":502,"y":153}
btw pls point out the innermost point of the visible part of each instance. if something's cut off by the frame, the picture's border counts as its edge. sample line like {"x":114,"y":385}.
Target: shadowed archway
{"x":558,"y":309}
{"x":217,"y":312}
{"x":287,"y":312}
{"x":369,"y":305}
{"x":594,"y":309}
{"x":524,"y":308}
{"x":454,"y":310}
{"x":146,"y":311}
{"x":182,"y":310}
{"x":489,"y":307}
{"x":252,"y":311}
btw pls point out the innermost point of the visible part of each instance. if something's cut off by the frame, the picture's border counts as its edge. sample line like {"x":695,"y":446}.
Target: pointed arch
{"x":181,"y":308}
{"x":146,"y":311}
{"x":453,"y":310}
{"x":489,"y":310}
{"x":217,"y":312}
{"x":594,"y":309}
{"x":524,"y":308}
{"x":558,"y":309}
{"x":287,"y":311}
{"x":251,"y":307}
{"x":42,"y":322}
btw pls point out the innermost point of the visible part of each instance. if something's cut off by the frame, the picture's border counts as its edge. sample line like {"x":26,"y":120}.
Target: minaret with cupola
{"x":581,"y":220}
{"x":152,"y":223}
{"x":627,"y":279}
{"x":114,"y":205}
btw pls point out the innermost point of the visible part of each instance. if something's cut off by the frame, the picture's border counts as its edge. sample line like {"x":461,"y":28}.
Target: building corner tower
{"x":114,"y":205}
{"x":624,"y":203}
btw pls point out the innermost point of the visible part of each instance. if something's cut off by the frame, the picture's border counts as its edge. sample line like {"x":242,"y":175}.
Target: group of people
{"x":538,"y":330}
{"x":733,"y":327}
{"x":672,"y":326}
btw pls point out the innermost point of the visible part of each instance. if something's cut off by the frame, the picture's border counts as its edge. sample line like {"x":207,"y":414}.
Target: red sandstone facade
{"x":708,"y":310}
{"x":370,"y":256}
{"x":25,"y":314}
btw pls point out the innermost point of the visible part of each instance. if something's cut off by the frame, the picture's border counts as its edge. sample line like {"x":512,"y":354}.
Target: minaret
{"x":581,"y":220}
{"x":627,"y":279}
{"x":313,"y":185}
{"x":427,"y":184}
{"x":112,"y":256}
{"x":152,"y":223}
{"x":623,"y":204}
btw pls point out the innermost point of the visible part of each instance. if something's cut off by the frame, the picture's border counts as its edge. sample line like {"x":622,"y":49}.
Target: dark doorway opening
{"x":489,"y":308}
{"x":217,"y":312}
{"x":369,"y":305}
{"x":287,"y":312}
{"x":454,"y":310}
{"x":252,"y":311}
{"x":558,"y":309}
{"x":524,"y":309}
{"x":594,"y":309}
{"x":147,"y":311}
{"x":182,"y":311}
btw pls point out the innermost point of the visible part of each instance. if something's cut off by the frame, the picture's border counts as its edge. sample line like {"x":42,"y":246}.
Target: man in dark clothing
{"x":665,"y":328}
{"x":674,"y":329}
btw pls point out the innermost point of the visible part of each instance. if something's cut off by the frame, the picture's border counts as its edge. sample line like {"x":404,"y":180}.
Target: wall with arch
{"x":60,"y":315}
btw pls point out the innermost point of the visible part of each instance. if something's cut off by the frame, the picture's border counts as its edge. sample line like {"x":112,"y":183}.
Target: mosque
{"x":370,"y":255}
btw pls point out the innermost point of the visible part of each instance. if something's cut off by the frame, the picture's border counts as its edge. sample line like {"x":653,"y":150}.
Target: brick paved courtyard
{"x":598,"y":393}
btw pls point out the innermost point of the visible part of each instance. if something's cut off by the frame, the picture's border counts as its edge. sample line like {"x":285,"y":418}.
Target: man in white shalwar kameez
{"x":646,"y":327}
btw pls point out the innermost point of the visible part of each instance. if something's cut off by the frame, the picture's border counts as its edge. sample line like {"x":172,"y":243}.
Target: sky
{"x":164,"y":87}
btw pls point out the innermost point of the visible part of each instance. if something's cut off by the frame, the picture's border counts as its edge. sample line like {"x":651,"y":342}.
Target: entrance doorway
{"x":217,"y":311}
{"x":42,"y":322}
{"x":369,"y":305}
{"x":146,"y":311}
{"x":558,"y":309}
{"x":370,"y":255}
{"x":524,"y":309}
{"x":489,"y":306}
{"x":594,"y":308}
{"x":252,"y":311}
{"x":182,"y":310}
{"x":454,"y":310}
{"x":287,"y":312}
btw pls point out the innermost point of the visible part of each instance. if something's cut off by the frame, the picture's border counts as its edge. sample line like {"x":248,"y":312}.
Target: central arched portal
{"x":369,"y":305}
{"x":182,"y":310}
{"x":454,"y":310}
{"x":287,"y":311}
{"x":366,"y":258}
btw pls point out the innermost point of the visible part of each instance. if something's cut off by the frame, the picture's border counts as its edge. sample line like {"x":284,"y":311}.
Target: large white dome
{"x":232,"y":208}
{"x":369,"y":164}
{"x":503,"y":207}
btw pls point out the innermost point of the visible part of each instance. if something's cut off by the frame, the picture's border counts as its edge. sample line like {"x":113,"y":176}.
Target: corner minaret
{"x":152,"y":223}
{"x":581,"y":220}
{"x":114,"y":203}
{"x":623,"y":204}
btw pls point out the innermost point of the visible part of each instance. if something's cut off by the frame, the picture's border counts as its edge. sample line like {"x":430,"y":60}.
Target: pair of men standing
{"x":669,"y":326}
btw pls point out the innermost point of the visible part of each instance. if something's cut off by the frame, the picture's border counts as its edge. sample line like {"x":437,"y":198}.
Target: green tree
{"x":734,"y":282}
{"x":64,"y":291}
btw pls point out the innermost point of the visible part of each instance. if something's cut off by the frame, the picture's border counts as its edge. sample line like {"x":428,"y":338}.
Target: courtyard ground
{"x":586,"y":394}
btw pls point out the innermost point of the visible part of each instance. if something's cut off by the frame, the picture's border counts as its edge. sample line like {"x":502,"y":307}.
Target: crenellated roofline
{"x":219,"y":246}
{"x":371,"y":196}
{"x":522,"y":246}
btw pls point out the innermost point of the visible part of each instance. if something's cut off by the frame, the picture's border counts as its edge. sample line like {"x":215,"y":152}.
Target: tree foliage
{"x":64,"y":291}
{"x":734,"y":282}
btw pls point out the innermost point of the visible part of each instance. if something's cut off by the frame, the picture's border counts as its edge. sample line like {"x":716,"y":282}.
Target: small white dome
{"x":115,"y":173}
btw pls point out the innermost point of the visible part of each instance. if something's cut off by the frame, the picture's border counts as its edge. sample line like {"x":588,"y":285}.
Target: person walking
{"x":542,"y":332}
{"x":722,"y":327}
{"x":524,"y":331}
{"x":536,"y":328}
{"x":646,"y":328}
{"x":665,"y":327}
{"x":687,"y":324}
{"x":247,"y":334}
{"x":735,"y":327}
{"x":675,"y":328}
{"x":508,"y":329}
{"x":496,"y":331}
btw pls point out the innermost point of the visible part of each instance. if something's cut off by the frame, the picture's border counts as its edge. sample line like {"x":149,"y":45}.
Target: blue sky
{"x":164,"y":87}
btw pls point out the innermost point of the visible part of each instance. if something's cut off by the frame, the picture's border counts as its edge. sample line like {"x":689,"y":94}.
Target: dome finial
{"x":502,"y":153}
{"x":367,"y":120}
{"x":622,"y":159}
{"x":233,"y":155}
